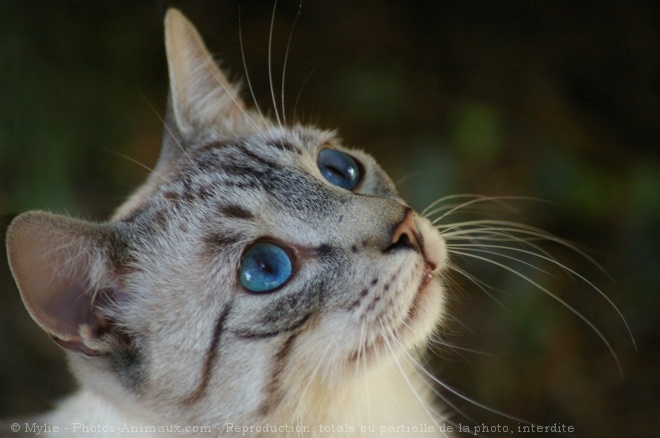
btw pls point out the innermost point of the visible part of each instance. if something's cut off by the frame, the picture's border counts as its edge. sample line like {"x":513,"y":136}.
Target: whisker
{"x":169,"y":131}
{"x":425,"y":374}
{"x":555,"y":262}
{"x":480,"y":248}
{"x":286,"y":59}
{"x":555,"y":297}
{"x":311,"y":380}
{"x":499,"y":225}
{"x":459,"y":394}
{"x":426,"y":211}
{"x":270,"y":65}
{"x":151,"y":171}
{"x":498,"y":200}
{"x":407,"y":177}
{"x":438,"y":342}
{"x":387,"y":334}
{"x":365,"y":368}
{"x":245,"y":67}
{"x":302,"y":87}
{"x":512,"y":232}
{"x":514,"y":227}
{"x":210,"y":64}
{"x":395,"y":397}
{"x":483,"y":286}
{"x":134,"y":161}
{"x":506,"y":230}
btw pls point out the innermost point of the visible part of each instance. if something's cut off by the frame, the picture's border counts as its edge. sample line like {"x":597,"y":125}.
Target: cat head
{"x":260,"y":264}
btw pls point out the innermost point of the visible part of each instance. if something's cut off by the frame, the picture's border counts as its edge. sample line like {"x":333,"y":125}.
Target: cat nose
{"x":405,"y":234}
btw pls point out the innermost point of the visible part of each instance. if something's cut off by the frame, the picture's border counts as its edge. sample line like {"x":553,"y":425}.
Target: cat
{"x":265,"y":280}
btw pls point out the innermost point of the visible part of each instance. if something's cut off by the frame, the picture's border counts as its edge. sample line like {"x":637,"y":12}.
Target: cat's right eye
{"x":339,"y":168}
{"x":265,"y":267}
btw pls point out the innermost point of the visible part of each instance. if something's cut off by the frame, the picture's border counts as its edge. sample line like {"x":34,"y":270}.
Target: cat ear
{"x":200,"y":94}
{"x":63,"y":270}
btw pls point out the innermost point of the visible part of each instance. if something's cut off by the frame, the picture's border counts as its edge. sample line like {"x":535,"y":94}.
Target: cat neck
{"x":388,"y":398}
{"x":88,"y":412}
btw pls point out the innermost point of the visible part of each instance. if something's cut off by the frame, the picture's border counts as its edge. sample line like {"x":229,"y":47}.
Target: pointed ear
{"x":200,"y":94}
{"x":63,"y":270}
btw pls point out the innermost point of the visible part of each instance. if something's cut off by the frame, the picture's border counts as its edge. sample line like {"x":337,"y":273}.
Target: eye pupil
{"x":265,"y":267}
{"x":339,"y":168}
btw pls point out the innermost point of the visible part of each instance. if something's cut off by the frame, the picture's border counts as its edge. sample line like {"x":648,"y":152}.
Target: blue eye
{"x":339,"y":168}
{"x":265,"y":267}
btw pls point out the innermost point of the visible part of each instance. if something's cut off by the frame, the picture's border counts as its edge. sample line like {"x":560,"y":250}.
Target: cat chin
{"x":423,"y":316}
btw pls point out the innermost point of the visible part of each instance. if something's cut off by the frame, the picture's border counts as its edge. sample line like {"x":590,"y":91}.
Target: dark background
{"x":551,"y":100}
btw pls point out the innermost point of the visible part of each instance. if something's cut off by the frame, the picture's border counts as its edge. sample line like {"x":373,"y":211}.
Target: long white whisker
{"x":500,"y":224}
{"x":481,"y":249}
{"x":311,"y":379}
{"x":495,"y":199}
{"x":245,"y":67}
{"x":466,"y":398}
{"x":167,"y":128}
{"x":286,"y":58}
{"x":302,"y":87}
{"x":515,"y":227}
{"x":426,"y":374}
{"x":426,"y":211}
{"x":152,"y":172}
{"x":365,"y":368}
{"x":556,"y":298}
{"x":212,"y":67}
{"x":512,"y":233}
{"x":433,"y":416}
{"x":472,"y":247}
{"x":438,"y":342}
{"x":270,"y":64}
{"x":488,"y":234}
{"x":479,"y":283}
{"x":387,"y":334}
{"x":503,"y":233}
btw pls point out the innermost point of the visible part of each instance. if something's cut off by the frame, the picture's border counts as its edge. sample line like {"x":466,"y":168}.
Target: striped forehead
{"x":274,"y":171}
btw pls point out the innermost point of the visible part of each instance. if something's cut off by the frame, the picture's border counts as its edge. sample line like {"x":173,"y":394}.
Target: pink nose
{"x":406,"y":234}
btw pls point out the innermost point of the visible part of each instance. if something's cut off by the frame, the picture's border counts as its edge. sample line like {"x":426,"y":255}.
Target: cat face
{"x":258,"y":264}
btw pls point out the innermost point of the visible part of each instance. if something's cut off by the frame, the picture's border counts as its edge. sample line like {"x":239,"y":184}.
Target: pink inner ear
{"x":49,"y":256}
{"x":67,"y":311}
{"x":60,"y":305}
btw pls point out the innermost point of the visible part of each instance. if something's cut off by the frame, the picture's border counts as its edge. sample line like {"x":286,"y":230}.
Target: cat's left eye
{"x":265,"y":267}
{"x":339,"y":168}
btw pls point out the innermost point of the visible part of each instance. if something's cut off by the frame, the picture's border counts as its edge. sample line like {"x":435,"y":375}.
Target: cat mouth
{"x":430,"y":269}
{"x":427,"y":276}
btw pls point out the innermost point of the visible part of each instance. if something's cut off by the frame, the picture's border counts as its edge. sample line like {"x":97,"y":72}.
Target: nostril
{"x":403,"y":242}
{"x":405,"y":235}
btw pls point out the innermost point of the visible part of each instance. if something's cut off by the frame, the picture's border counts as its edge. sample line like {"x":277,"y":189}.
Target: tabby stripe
{"x":247,"y":334}
{"x":258,"y":159}
{"x":211,"y":358}
{"x":217,"y":242}
{"x":250,"y":175}
{"x":273,"y":391}
{"x":241,"y":184}
{"x":236,"y":212}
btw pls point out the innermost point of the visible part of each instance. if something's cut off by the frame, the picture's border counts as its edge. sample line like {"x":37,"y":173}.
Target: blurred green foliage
{"x":552,"y":100}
